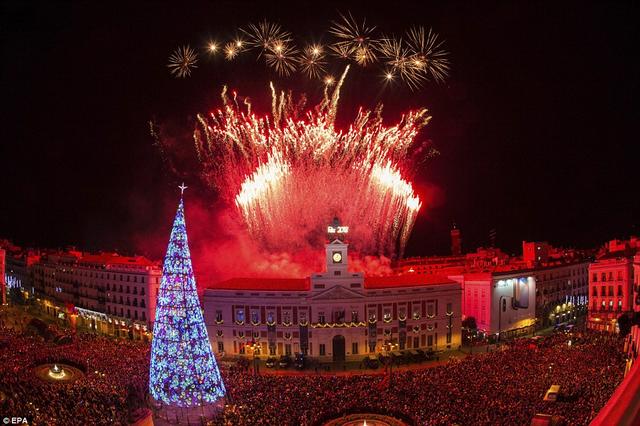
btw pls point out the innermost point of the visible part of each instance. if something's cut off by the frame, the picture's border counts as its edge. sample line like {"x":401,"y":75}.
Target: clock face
{"x":337,"y":257}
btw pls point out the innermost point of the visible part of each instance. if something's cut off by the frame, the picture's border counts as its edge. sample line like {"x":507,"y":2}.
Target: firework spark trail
{"x":289,"y":176}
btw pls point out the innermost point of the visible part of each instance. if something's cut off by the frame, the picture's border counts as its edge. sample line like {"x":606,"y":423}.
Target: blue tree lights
{"x":183,"y":371}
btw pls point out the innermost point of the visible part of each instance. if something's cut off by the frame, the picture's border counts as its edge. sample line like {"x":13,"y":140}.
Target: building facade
{"x":109,"y":293}
{"x":336,"y":315}
{"x":611,"y":285}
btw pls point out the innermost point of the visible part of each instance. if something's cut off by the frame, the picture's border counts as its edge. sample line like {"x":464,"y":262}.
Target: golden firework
{"x":312,"y":61}
{"x":281,"y":57}
{"x":181,"y":61}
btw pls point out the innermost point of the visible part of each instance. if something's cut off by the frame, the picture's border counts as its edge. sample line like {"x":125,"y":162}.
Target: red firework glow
{"x":290,"y":173}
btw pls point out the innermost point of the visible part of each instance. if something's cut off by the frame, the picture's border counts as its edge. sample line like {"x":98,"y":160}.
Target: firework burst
{"x":354,"y":39}
{"x":415,"y":59}
{"x":288,"y":176}
{"x":182,"y":61}
{"x":427,"y":56}
{"x":312,"y":61}
{"x":282,"y":58}
{"x":265,"y":34}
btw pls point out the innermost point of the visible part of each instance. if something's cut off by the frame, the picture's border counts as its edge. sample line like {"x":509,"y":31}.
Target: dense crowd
{"x":505,"y":387}
{"x":114,"y":384}
{"x":502,"y":387}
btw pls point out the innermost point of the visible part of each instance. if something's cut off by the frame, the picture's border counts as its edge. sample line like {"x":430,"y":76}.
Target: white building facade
{"x":336,"y":315}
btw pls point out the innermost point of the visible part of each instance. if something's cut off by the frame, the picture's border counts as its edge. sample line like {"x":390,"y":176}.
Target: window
{"x":429,"y":340}
{"x":611,"y":305}
{"x":287,"y":349}
{"x":354,"y":348}
{"x":603,"y":277}
{"x":619,"y":290}
{"x":338,"y":316}
{"x":321,"y":318}
{"x":322,"y":350}
{"x":286,"y":317}
{"x":595,"y":291}
{"x":135,"y":314}
{"x":144,"y":316}
{"x":449,"y":337}
{"x":504,"y":305}
{"x":255,"y":317}
{"x":619,"y":275}
{"x":220,"y":347}
{"x":218,"y":316}
{"x":240,"y":315}
{"x":142,"y":304}
{"x":619,"y":304}
{"x":142,"y":291}
{"x":128,"y":313}
{"x":610,"y":291}
{"x":336,"y":272}
{"x":354,"y":316}
{"x":430,"y":310}
{"x":449,"y":308}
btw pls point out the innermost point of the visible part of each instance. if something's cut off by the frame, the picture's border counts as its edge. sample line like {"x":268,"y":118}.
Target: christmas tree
{"x":183,"y":370}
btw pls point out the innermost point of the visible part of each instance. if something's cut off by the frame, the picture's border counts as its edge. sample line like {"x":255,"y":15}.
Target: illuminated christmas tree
{"x":183,"y":370}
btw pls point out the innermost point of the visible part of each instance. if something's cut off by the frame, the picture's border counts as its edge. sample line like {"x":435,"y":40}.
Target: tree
{"x":469,"y":323}
{"x":624,"y":324}
{"x":183,"y":370}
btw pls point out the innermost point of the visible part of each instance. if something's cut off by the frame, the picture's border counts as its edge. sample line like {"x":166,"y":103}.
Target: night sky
{"x":536,"y":125}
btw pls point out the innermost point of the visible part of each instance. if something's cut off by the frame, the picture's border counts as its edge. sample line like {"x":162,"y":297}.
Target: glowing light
{"x":183,"y":370}
{"x":329,"y":81}
{"x":213,"y":47}
{"x":287,"y":176}
{"x":230,"y":51}
{"x":56,"y":372}
{"x":337,"y":230}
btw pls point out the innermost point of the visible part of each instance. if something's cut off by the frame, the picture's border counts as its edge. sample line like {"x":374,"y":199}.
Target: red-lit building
{"x":333,"y":315}
{"x":611,"y":284}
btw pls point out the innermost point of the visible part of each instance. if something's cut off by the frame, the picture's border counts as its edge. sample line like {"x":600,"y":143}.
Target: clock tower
{"x":336,"y":249}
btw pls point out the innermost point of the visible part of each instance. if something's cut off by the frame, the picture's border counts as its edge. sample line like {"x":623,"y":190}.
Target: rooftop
{"x":407,"y":280}
{"x":263,"y":284}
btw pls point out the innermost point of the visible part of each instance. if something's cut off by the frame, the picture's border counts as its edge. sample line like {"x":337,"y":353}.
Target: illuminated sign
{"x":337,"y":229}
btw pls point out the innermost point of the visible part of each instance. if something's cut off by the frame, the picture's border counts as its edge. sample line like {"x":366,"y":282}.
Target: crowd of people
{"x":505,"y":387}
{"x":113,"y":386}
